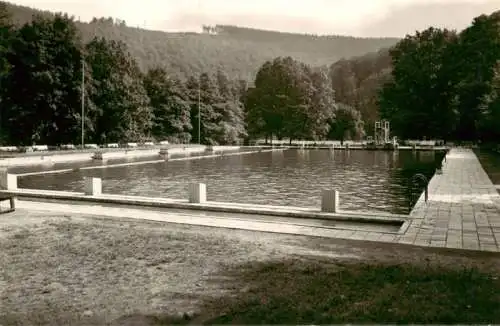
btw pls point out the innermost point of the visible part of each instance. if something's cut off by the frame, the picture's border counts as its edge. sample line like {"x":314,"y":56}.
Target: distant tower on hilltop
{"x":212,"y":30}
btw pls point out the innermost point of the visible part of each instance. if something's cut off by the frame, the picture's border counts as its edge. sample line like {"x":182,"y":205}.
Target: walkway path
{"x":463,"y":210}
{"x":30,"y":211}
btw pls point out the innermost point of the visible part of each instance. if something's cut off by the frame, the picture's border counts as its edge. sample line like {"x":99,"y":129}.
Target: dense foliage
{"x":42,"y":89}
{"x":357,"y":81}
{"x":45,"y":64}
{"x":446,"y":85}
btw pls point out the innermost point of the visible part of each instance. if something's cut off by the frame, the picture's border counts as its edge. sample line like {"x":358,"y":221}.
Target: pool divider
{"x":164,"y":159}
{"x":196,"y":201}
{"x":164,"y":152}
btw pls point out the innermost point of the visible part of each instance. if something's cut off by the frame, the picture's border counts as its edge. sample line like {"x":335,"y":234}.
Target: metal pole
{"x":199,"y":91}
{"x":83,"y":102}
{"x":199,"y":114}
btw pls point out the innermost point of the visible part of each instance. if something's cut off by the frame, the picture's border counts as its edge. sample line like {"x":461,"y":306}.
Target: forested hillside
{"x":237,"y":51}
{"x":357,"y":82}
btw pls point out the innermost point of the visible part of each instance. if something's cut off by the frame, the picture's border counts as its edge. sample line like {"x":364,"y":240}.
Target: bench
{"x":11,"y":198}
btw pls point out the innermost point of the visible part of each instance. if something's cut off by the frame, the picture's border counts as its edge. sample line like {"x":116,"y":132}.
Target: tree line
{"x":445,"y":84}
{"x":44,"y":64}
{"x":436,"y":84}
{"x":47,"y":71}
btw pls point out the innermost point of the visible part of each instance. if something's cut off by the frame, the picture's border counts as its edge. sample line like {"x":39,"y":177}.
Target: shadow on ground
{"x":82,"y":270}
{"x":440,"y":286}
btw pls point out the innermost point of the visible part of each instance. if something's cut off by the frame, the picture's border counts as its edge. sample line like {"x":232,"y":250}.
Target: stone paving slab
{"x":463,"y":208}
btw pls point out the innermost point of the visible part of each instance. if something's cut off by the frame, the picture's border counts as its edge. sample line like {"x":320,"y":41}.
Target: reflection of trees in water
{"x":395,"y":158}
{"x":409,"y":165}
{"x":331,"y":155}
{"x":427,"y":156}
{"x":303,"y":155}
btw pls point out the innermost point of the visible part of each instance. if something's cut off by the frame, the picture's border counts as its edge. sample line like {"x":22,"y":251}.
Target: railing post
{"x":414,"y":184}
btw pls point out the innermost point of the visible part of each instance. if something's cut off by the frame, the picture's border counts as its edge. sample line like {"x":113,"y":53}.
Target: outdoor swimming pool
{"x":367,"y":180}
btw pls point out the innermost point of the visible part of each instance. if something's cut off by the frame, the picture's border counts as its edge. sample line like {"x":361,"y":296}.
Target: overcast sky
{"x":351,"y":17}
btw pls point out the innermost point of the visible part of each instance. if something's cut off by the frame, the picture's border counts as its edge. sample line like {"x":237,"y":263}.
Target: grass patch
{"x":318,"y":293}
{"x":89,"y":273}
{"x":490,"y":161}
{"x":102,"y":272}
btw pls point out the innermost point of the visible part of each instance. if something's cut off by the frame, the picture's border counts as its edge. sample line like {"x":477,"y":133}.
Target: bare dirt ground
{"x":85,"y":270}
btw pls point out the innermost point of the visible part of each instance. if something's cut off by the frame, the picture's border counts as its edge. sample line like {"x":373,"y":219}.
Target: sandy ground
{"x":86,"y":270}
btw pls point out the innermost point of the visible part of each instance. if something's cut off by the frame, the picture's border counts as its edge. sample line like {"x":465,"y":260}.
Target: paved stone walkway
{"x":463,"y":208}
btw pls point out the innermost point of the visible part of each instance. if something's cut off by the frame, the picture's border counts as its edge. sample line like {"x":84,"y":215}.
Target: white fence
{"x":44,"y":148}
{"x":423,"y":143}
{"x":311,"y":142}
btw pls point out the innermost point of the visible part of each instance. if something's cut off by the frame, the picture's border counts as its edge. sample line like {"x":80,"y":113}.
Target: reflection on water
{"x":367,"y":180}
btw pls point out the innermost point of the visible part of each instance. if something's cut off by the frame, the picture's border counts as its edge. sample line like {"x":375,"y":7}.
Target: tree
{"x":5,"y":38}
{"x":223,"y":84}
{"x":270,"y":83}
{"x":254,"y":118}
{"x":296,"y":100}
{"x":231,"y":111}
{"x":203,"y":95}
{"x":290,"y":99}
{"x":231,"y":124}
{"x":489,"y":110}
{"x":118,"y":98}
{"x":475,"y":57}
{"x":343,"y":81}
{"x":452,"y":93}
{"x":357,"y":82}
{"x":347,"y":124}
{"x":43,"y":85}
{"x":322,"y":105}
{"x":171,"y":110}
{"x":418,"y":98}
{"x":281,"y":99}
{"x":6,"y":34}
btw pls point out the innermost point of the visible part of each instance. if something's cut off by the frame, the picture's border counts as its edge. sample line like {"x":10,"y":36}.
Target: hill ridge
{"x":239,"y":51}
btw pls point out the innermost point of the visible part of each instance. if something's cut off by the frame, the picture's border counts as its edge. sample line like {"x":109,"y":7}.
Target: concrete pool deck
{"x":463,"y":208}
{"x":462,"y":212}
